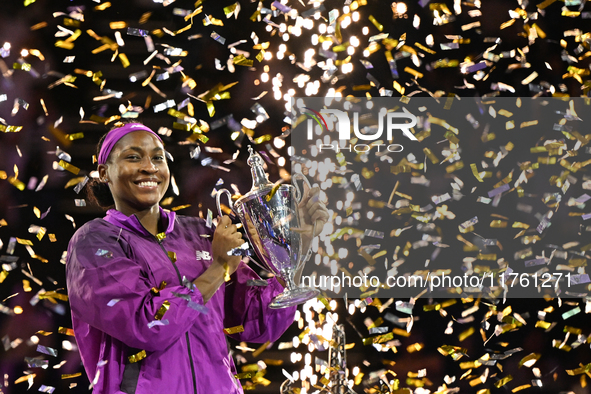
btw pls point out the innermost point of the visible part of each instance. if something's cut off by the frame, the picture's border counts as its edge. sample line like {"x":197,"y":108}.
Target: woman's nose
{"x":148,"y":165}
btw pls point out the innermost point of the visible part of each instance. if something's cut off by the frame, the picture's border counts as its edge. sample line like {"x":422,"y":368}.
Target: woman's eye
{"x":133,"y":157}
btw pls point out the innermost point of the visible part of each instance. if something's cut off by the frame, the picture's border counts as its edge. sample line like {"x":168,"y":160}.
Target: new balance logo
{"x":202,"y":255}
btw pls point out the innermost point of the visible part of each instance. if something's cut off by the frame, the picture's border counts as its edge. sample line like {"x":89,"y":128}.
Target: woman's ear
{"x":102,"y":170}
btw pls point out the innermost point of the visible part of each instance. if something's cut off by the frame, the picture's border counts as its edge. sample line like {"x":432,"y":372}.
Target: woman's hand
{"x":313,"y":214}
{"x":225,"y":238}
{"x":313,"y":217}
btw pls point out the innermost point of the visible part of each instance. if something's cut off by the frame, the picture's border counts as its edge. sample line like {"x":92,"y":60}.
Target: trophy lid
{"x":259,"y":176}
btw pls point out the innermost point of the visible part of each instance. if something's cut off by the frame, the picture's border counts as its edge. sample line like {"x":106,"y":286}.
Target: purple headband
{"x":116,"y":134}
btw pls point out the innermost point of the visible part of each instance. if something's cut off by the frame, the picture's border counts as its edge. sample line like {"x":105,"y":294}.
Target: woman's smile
{"x":147,"y":184}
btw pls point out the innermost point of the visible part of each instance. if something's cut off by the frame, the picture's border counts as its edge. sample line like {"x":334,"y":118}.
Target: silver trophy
{"x":271,"y":221}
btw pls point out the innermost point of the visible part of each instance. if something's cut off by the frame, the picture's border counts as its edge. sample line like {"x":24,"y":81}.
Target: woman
{"x":150,"y":304}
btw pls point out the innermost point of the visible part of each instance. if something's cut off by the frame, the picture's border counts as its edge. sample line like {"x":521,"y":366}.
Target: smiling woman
{"x":152,"y":293}
{"x":133,"y":165}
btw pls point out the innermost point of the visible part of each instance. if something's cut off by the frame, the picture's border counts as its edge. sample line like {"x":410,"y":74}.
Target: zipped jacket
{"x":140,"y":325}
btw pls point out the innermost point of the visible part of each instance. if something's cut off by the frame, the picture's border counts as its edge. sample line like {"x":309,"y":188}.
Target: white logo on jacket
{"x":202,"y":255}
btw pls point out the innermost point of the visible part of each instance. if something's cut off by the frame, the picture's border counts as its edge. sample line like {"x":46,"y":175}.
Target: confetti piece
{"x":475,"y":173}
{"x":10,"y":129}
{"x":529,"y":360}
{"x":137,"y":357}
{"x":113,"y":301}
{"x":240,"y":60}
{"x":155,"y":323}
{"x":162,"y":310}
{"x":376,"y":23}
{"x":218,"y":38}
{"x":66,"y":331}
{"x":47,"y":350}
{"x":503,"y":381}
{"x":69,"y":167}
{"x":571,"y":313}
{"x":233,"y":330}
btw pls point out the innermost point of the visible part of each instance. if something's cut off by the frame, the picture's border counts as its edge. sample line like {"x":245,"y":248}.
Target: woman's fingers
{"x":224,"y":221}
{"x":320,"y":215}
{"x":226,"y":237}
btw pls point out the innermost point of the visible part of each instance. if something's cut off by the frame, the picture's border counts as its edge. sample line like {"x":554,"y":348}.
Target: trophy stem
{"x":288,"y":276}
{"x":292,"y":295}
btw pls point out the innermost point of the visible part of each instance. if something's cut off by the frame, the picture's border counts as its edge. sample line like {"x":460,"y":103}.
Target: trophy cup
{"x":271,"y":221}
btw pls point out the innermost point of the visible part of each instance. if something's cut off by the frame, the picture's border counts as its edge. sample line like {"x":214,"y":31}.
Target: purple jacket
{"x":114,"y":270}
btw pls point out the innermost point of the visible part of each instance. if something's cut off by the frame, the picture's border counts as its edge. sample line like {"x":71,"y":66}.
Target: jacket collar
{"x":133,"y":224}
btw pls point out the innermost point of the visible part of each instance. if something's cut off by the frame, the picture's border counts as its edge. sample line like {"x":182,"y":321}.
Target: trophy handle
{"x":217,"y":200}
{"x":304,"y":179}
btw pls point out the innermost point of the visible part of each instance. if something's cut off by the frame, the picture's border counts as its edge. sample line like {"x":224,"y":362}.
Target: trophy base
{"x":288,"y":298}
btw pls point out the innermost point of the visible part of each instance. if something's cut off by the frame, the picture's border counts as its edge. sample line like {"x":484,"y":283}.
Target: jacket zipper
{"x":187,"y":333}
{"x":181,"y":283}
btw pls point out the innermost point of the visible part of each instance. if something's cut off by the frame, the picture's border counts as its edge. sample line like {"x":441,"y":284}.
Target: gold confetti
{"x":16,"y":183}
{"x":519,"y":388}
{"x":28,"y":377}
{"x":171,"y":256}
{"x":53,"y":294}
{"x":505,"y":25}
{"x":413,"y":72}
{"x":273,"y":190}
{"x":69,"y":167}
{"x":64,"y":44}
{"x":66,"y":331}
{"x":103,"y":6}
{"x":475,"y":172}
{"x":178,"y":208}
{"x":528,"y":124}
{"x":10,"y":129}
{"x":137,"y":357}
{"x":74,"y":182}
{"x":233,"y":330}
{"x":543,"y":324}
{"x":41,"y":233}
{"x":414,"y":347}
{"x":75,"y":136}
{"x":240,"y":60}
{"x":261,"y":349}
{"x":117,"y":25}
{"x":124,"y":60}
{"x":162,"y":310}
{"x":75,"y":375}
{"x":465,"y":334}
{"x":503,"y":381}
{"x":584,"y":369}
{"x":545,"y":4}
{"x":529,"y":360}
{"x":38,"y":26}
{"x":21,"y":66}
{"x":378,"y":25}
